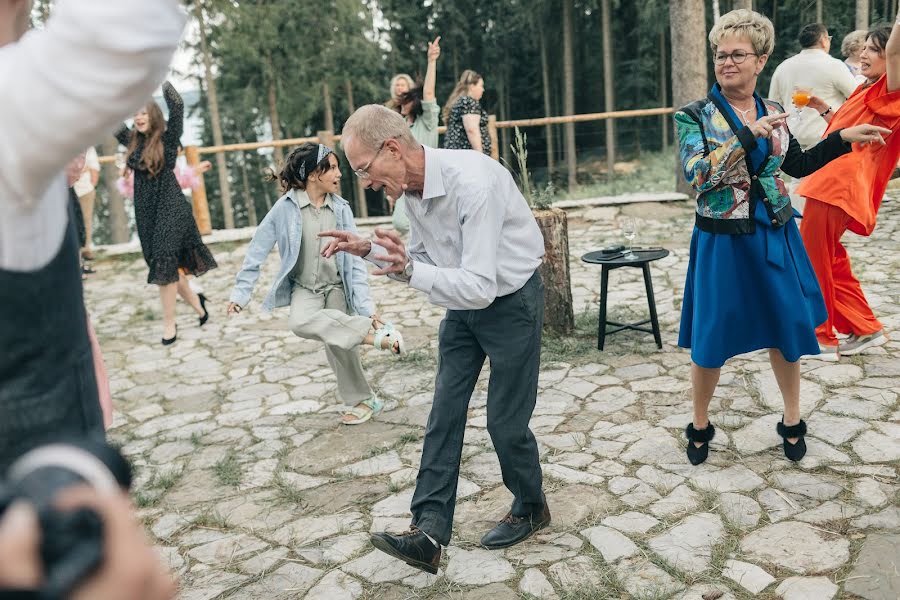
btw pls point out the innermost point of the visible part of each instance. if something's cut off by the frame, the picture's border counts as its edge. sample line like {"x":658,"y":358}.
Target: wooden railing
{"x":193,"y":153}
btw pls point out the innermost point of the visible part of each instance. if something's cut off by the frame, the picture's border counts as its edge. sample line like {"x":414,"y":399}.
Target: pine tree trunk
{"x":716,"y":11}
{"x":820,"y":12}
{"x":609,"y":98}
{"x":215,"y":120}
{"x":862,"y":14}
{"x":251,"y":206}
{"x":118,"y":221}
{"x":748,"y":4}
{"x":569,"y":94}
{"x":326,"y":103}
{"x":688,"y":25}
{"x":545,"y":81}
{"x":503,"y":106}
{"x":274,"y":120}
{"x":559,"y":315}
{"x":663,"y":95}
{"x":361,"y":209}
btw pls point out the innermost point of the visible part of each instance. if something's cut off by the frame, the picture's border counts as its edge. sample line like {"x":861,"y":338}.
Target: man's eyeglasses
{"x":363,"y":172}
{"x":738,"y":56}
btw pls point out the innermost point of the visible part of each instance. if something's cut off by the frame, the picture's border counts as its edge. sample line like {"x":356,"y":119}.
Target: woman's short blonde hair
{"x":853,"y":42}
{"x":748,"y":24}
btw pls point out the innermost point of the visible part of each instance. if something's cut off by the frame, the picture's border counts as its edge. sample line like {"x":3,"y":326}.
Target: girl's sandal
{"x":395,"y":339}
{"x":363,"y":411}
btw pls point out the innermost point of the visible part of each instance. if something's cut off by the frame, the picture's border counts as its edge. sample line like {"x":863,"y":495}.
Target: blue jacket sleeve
{"x":262,"y":243}
{"x":359,"y":277}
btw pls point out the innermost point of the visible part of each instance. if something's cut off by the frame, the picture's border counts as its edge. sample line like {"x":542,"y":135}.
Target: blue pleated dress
{"x":752,"y":291}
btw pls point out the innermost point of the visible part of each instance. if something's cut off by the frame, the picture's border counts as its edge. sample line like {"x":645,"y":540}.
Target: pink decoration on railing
{"x":187,"y":177}
{"x":125,"y":185}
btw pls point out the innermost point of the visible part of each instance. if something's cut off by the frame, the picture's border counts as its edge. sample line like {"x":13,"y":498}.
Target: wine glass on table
{"x":629,"y":230}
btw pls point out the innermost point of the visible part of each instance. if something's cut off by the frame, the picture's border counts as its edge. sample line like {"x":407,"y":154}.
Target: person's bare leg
{"x":787,"y":374}
{"x":703,"y":386}
{"x":187,"y":294}
{"x":167,"y":295}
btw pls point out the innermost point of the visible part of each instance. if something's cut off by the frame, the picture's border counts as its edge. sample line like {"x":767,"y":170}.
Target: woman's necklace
{"x":743,"y":113}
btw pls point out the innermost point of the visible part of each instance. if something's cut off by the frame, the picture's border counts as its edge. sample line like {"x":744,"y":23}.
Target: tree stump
{"x":559,"y":316}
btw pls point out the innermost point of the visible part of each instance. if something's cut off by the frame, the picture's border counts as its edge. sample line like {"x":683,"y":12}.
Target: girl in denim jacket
{"x":328,"y":297}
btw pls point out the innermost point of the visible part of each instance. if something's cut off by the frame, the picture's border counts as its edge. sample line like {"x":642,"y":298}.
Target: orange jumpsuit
{"x":846,"y":194}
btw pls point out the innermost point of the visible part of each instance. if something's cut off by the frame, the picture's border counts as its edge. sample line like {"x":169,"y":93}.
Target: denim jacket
{"x":282,"y":226}
{"x":714,"y":152}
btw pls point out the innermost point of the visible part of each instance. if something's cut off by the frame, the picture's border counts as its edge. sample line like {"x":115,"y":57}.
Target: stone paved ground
{"x":253,"y":491}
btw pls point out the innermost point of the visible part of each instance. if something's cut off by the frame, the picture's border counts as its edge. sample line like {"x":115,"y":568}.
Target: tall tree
{"x":569,"y":93}
{"x":608,"y":90}
{"x":118,"y":220}
{"x":687,"y":20}
{"x":545,"y":85}
{"x":862,"y":14}
{"x":214,"y":117}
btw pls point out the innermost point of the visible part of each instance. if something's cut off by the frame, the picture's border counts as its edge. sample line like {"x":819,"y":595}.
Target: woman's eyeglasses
{"x":738,"y":56}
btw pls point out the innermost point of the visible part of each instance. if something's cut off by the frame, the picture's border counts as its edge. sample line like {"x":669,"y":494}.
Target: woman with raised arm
{"x":170,"y":240}
{"x":419,"y":107}
{"x":749,"y":283}
{"x":847,"y":194}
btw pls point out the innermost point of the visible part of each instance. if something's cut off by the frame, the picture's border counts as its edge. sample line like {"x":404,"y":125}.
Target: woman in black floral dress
{"x":169,"y":237}
{"x":467,"y":122}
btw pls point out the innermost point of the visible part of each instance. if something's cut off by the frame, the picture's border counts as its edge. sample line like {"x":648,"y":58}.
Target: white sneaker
{"x":826,"y":353}
{"x":856,"y":344}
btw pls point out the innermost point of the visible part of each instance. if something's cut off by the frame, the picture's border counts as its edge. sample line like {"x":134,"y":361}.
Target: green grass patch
{"x":228,"y":470}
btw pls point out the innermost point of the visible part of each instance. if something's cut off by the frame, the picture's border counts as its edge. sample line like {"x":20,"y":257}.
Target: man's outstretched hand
{"x":344,"y":241}
{"x":395,"y":250}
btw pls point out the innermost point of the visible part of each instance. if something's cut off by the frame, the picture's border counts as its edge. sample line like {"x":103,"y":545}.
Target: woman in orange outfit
{"x":847,"y":192}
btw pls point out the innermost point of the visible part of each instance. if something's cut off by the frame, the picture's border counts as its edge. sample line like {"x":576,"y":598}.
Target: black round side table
{"x":642,"y":260}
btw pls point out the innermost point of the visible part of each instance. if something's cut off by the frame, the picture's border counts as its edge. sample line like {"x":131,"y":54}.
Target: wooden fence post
{"x":198,"y":194}
{"x":492,"y":132}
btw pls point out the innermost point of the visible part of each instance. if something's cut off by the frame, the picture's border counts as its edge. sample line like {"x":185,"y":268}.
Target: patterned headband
{"x":308,"y":165}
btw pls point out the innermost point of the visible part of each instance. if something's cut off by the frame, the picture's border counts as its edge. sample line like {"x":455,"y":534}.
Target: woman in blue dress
{"x":749,"y":282}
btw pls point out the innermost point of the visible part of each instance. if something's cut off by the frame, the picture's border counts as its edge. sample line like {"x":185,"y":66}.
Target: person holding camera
{"x":130,"y":569}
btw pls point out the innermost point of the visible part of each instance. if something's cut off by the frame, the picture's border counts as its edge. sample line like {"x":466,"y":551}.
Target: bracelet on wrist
{"x":822,"y":114}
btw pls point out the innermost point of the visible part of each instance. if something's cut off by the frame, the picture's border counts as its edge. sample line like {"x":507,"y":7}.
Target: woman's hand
{"x":817,"y":104}
{"x":233,"y":308}
{"x":865,"y":134}
{"x":434,"y":49}
{"x":763,"y":127}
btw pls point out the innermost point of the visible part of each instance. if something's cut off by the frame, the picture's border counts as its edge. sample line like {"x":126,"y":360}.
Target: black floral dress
{"x":169,"y":236}
{"x":456,"y":138}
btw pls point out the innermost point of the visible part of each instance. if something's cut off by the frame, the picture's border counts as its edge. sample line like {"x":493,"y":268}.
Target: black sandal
{"x":697,"y":454}
{"x":793,"y":451}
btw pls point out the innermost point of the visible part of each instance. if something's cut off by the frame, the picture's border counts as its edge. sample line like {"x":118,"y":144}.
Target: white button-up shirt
{"x":473,"y":237}
{"x":64,"y":88}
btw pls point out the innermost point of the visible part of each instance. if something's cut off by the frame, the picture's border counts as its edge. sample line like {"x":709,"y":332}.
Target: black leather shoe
{"x":205,"y":316}
{"x":412,"y":547}
{"x":512,"y":529}
{"x":797,"y":450}
{"x":698,"y":455}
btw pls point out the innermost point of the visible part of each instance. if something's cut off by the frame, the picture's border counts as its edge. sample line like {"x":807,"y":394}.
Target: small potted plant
{"x":559,"y":316}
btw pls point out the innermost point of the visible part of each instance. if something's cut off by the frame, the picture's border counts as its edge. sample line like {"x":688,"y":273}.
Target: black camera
{"x":71,"y":541}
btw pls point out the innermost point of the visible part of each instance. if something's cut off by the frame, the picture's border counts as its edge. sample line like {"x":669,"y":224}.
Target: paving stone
{"x":662,"y":481}
{"x":829,"y":511}
{"x":535,"y":584}
{"x":748,"y":576}
{"x":476,"y":567}
{"x":835,"y":429}
{"x":889,"y":518}
{"x":796,"y":546}
{"x":576,"y":573}
{"x":644,"y":579}
{"x":287,"y":582}
{"x":705,"y":591}
{"x":806,"y":588}
{"x":336,"y":550}
{"x":875,"y":447}
{"x":336,"y":586}
{"x":378,"y":567}
{"x":631,"y":522}
{"x":759,"y":435}
{"x":869,"y":492}
{"x":739,"y":510}
{"x":875,"y":575}
{"x":736,"y":478}
{"x":310,"y":529}
{"x":805,"y":484}
{"x":264,"y":561}
{"x":688,"y":546}
{"x":226,"y":549}
{"x":611,"y":544}
{"x":682,"y":499}
{"x":494,"y":591}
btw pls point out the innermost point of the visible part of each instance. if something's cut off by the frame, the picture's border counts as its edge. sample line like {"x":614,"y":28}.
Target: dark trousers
{"x":509,"y":333}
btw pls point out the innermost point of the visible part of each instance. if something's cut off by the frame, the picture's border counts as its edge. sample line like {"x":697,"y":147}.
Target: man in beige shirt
{"x":815,"y":70}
